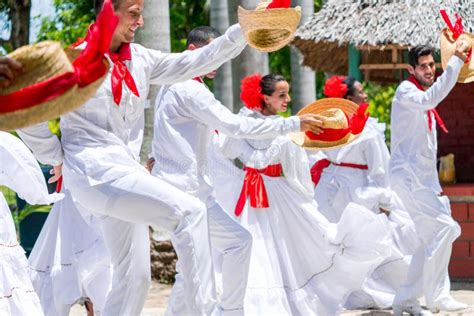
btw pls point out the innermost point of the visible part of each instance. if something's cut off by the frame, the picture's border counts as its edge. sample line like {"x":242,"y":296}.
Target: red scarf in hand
{"x":413,"y":80}
{"x":457,"y":29}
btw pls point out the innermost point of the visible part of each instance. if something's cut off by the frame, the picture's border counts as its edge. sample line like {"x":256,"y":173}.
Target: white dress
{"x":20,"y":172}
{"x":340,"y":185}
{"x":69,"y":261}
{"x":301,"y":264}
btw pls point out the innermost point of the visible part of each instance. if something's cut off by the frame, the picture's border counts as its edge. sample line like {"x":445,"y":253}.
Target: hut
{"x":370,"y":40}
{"x":374,"y":33}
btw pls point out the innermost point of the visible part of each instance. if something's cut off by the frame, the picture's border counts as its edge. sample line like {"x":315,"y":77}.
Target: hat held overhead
{"x":55,"y":81}
{"x":450,"y":36}
{"x":271,"y":26}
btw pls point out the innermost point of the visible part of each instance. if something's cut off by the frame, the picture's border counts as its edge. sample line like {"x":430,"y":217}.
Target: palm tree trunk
{"x":155,"y":35}
{"x":250,"y":61}
{"x":303,"y":78}
{"x":223,"y":81}
{"x":19,"y":15}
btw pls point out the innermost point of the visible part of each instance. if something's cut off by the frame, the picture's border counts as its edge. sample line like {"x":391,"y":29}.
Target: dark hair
{"x":99,"y":3}
{"x":418,"y":51}
{"x":268,"y":83}
{"x":350,"y":82}
{"x":201,"y":35}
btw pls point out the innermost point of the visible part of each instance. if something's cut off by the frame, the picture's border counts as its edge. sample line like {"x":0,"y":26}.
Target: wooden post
{"x":354,"y":62}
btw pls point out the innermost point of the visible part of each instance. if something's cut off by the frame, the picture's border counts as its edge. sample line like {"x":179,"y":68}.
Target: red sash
{"x":254,"y":187}
{"x":319,"y":166}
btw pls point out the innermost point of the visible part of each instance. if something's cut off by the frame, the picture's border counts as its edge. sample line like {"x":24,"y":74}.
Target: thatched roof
{"x":375,"y":22}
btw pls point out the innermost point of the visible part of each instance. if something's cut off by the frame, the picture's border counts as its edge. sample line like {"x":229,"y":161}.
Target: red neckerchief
{"x":198,"y":79}
{"x":417,"y":84}
{"x":120,"y":73}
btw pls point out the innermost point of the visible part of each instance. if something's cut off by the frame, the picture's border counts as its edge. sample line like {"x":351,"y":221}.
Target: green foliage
{"x":184,"y":16}
{"x":380,"y":103}
{"x":69,"y":23}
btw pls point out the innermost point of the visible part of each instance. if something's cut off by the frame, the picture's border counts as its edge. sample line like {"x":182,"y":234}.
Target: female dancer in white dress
{"x":20,"y":172}
{"x":69,"y":262}
{"x":358,"y":173}
{"x":300,"y":264}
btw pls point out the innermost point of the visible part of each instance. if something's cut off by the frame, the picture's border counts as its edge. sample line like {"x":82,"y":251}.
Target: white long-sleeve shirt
{"x":100,"y":140}
{"x":368,"y":149}
{"x":186,"y":115}
{"x":413,"y":145}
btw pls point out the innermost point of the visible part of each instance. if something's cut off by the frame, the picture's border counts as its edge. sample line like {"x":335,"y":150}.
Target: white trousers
{"x":233,"y":243}
{"x":428,"y":272}
{"x":128,"y":205}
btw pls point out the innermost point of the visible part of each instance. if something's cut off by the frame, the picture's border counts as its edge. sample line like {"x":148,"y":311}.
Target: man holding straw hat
{"x":99,"y":151}
{"x":414,"y":177}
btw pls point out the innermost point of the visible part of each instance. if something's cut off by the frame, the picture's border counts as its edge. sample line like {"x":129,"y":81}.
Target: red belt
{"x":322,"y":164}
{"x":254,"y":187}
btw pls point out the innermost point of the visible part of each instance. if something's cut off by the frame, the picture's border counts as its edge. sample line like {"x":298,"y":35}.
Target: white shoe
{"x":448,"y":305}
{"x":412,"y":309}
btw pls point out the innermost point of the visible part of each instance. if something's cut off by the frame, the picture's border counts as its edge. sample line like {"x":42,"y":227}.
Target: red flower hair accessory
{"x":335,"y":87}
{"x":251,"y":92}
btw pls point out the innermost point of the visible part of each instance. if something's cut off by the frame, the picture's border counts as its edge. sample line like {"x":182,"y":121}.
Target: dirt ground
{"x":159,"y":293}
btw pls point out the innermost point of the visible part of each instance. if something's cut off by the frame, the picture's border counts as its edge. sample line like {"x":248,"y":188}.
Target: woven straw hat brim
{"x":448,"y":46}
{"x":317,"y":107}
{"x":40,"y":62}
{"x":269,"y":30}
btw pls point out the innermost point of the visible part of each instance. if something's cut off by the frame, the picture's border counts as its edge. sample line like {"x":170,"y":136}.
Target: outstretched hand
{"x":9,"y":69}
{"x":312,"y":123}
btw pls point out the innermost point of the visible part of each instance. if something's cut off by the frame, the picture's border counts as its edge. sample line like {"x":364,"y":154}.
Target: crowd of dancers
{"x":261,"y":225}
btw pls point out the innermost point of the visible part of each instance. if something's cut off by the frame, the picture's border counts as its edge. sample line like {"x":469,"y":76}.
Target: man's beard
{"x":423,"y":82}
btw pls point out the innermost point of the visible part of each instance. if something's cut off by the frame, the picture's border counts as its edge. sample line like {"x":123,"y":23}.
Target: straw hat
{"x":41,"y":62}
{"x":448,"y":46}
{"x":269,"y":30}
{"x":336,"y":111}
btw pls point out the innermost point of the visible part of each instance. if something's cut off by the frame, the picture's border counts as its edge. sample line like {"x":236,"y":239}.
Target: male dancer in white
{"x":187,"y":115}
{"x":100,"y":148}
{"x":415,"y":179}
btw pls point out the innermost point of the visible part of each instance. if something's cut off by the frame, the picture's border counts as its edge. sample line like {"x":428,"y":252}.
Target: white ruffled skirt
{"x":303,"y":265}
{"x":69,"y":261}
{"x":17,"y":296}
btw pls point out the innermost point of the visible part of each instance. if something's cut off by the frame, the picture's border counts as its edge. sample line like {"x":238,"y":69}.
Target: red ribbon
{"x":457,"y":29}
{"x":198,"y":79}
{"x":254,"y":187}
{"x":356,"y":125}
{"x":120,"y":73}
{"x":276,"y":4}
{"x":435,"y":113}
{"x":320,"y":165}
{"x":88,"y":67}
{"x":59,"y":185}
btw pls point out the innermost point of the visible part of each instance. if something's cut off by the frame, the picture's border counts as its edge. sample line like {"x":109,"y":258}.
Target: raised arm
{"x":413,"y":98}
{"x":177,"y":67}
{"x":204,"y":107}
